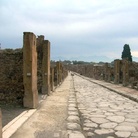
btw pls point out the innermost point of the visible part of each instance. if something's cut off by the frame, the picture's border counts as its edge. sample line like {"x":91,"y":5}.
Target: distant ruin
{"x":121,"y":72}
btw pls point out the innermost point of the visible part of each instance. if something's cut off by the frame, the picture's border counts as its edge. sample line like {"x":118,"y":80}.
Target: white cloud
{"x":134,"y":53}
{"x":100,"y":26}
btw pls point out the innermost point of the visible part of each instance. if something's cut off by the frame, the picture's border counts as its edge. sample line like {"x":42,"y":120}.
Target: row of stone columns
{"x":119,"y":73}
{"x":30,"y":70}
{"x":49,"y":74}
{"x":60,"y":73}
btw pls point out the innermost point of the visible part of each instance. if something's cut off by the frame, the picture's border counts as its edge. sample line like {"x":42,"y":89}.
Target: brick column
{"x":30,"y":70}
{"x":52,"y":78}
{"x":0,"y":124}
{"x":46,"y":68}
{"x":117,"y":71}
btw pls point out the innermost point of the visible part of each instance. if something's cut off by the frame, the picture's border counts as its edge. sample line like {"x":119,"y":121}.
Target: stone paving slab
{"x":93,"y":112}
{"x":104,"y":113}
{"x":125,"y":91}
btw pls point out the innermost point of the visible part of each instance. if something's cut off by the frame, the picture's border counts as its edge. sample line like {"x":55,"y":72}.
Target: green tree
{"x":126,"y":54}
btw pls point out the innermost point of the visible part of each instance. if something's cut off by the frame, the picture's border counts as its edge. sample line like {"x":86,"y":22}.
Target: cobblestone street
{"x":79,"y":108}
{"x":96,"y":112}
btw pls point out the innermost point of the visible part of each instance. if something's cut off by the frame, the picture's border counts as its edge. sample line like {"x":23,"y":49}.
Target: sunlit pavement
{"x":102,"y":112}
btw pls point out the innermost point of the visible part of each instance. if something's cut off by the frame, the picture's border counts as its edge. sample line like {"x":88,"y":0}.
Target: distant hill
{"x":84,"y":58}
{"x":88,"y":58}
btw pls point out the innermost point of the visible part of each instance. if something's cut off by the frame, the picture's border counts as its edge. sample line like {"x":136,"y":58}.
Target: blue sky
{"x":76,"y":28}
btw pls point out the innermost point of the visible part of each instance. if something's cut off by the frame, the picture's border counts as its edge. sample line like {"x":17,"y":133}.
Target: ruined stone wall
{"x":11,"y":76}
{"x":122,"y":72}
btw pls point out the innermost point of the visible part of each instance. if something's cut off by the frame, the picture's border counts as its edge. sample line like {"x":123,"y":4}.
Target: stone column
{"x":65,"y":73}
{"x":125,"y":72}
{"x":95,"y":72}
{"x":55,"y":76}
{"x":52,"y":78}
{"x":109,"y":74}
{"x":58,"y":72}
{"x":106,"y":72}
{"x":46,"y":68}
{"x":0,"y":124}
{"x":30,"y":70}
{"x":117,"y":71}
{"x":40,"y":40}
{"x":62,"y":73}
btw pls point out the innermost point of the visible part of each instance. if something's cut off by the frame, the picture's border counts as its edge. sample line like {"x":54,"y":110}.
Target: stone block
{"x":52,"y":78}
{"x":58,"y":72}
{"x":46,"y":68}
{"x":30,"y":70}
{"x":117,"y":69}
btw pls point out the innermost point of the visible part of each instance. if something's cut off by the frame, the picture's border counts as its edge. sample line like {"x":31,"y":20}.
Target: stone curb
{"x":123,"y":93}
{"x":73,"y":120}
{"x":17,"y":122}
{"x":12,"y":126}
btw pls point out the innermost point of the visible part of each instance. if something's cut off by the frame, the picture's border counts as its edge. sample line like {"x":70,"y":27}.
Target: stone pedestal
{"x":30,"y":70}
{"x":46,"y":68}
